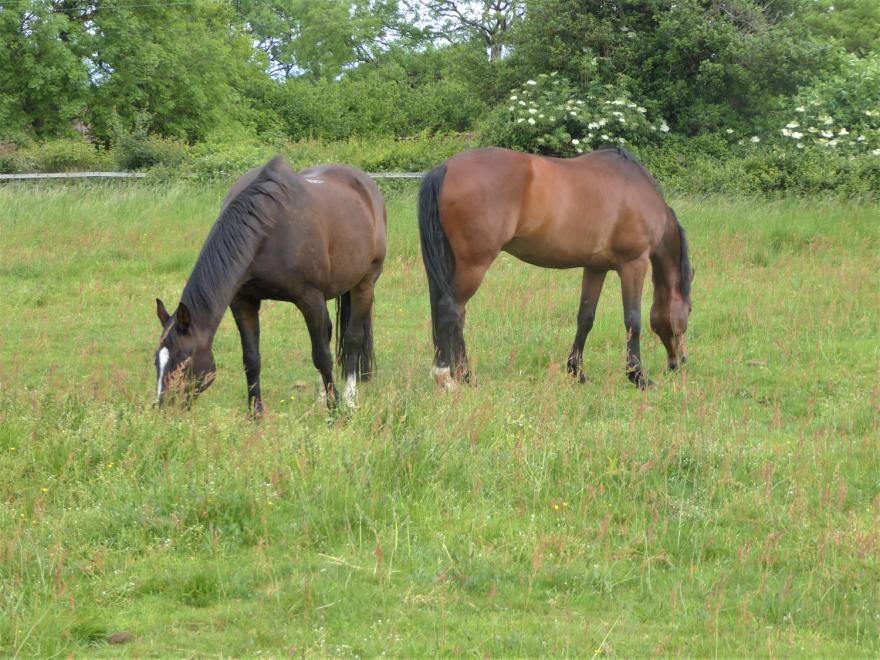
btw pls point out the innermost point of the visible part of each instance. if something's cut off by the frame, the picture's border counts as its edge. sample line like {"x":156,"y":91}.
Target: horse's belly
{"x":555,"y":254}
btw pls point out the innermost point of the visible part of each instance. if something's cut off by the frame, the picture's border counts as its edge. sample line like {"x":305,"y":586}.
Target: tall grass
{"x":733,"y":509}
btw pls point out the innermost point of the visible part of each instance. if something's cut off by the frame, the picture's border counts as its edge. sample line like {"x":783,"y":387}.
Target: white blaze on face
{"x":349,"y":394}
{"x":164,"y":356}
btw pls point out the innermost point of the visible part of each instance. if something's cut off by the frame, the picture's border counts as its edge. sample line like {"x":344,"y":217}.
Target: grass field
{"x":733,"y":509}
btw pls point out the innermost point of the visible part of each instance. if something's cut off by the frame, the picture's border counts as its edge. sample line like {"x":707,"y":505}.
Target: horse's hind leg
{"x":591,"y":289}
{"x":356,"y":345}
{"x":314,"y":310}
{"x":246,"y":312}
{"x":452,"y":362}
{"x":632,"y":279}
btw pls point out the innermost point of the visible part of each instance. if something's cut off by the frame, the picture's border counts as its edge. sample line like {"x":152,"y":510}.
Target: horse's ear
{"x":182,"y":317}
{"x":162,"y":313}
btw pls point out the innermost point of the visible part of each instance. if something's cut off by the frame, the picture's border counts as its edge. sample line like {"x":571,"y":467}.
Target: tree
{"x":321,"y":38}
{"x":43,"y":79}
{"x":703,"y":64}
{"x":489,"y":21}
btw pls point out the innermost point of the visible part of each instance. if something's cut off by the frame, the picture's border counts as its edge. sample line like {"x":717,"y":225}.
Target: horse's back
{"x":601,"y":209}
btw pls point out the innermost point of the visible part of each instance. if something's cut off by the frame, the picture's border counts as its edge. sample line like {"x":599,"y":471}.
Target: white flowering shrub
{"x":813,"y":125}
{"x":546,"y":115}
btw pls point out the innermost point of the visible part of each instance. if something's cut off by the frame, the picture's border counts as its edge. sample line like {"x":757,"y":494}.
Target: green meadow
{"x":734,"y":509}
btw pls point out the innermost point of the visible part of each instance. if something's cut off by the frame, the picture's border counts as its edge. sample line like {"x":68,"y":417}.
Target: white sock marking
{"x":349,"y":394}
{"x":443,"y":377}
{"x":164,"y":356}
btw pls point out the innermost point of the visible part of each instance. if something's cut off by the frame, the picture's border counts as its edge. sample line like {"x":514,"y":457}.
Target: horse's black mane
{"x":233,"y":242}
{"x":626,"y":155}
{"x":684,"y":260}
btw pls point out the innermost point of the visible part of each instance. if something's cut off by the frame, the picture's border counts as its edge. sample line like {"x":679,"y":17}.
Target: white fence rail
{"x":141,"y":175}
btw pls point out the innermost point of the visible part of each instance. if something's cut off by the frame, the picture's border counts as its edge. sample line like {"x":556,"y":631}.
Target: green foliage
{"x":395,"y":99}
{"x":841,"y":113}
{"x":43,"y":81}
{"x":224,"y":161}
{"x":546,"y":115}
{"x":704,"y":69}
{"x":175,"y":70}
{"x":855,"y":24}
{"x":67,"y":155}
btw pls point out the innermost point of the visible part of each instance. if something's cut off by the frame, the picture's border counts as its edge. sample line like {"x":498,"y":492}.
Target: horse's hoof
{"x":582,"y":378}
{"x":639,"y":379}
{"x":443,"y":378}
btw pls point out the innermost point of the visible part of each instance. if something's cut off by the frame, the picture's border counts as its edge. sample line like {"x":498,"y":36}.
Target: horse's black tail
{"x":436,"y":252}
{"x":366,"y":357}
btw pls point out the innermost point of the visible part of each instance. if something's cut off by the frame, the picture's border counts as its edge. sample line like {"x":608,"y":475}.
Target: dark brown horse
{"x":601,"y":211}
{"x":301,"y":237}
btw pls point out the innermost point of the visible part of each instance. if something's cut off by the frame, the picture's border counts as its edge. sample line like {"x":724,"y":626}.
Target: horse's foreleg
{"x":591,"y":289}
{"x":246,"y":312}
{"x":314,"y":310}
{"x":632,"y":279}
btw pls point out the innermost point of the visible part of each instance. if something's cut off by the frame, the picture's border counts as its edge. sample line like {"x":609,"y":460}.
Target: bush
{"x":228,"y":161}
{"x":546,"y":115}
{"x":64,"y":155}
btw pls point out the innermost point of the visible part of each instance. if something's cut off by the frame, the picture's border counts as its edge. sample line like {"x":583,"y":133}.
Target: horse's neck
{"x":665,"y":262}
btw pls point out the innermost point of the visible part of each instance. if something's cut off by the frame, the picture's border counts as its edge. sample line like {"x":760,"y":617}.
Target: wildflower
{"x":800,"y":145}
{"x":755,"y":139}
{"x":602,"y":122}
{"x":832,"y":143}
{"x":593,"y":125}
{"x":797,"y":135}
{"x":541,"y":116}
{"x":531,"y":121}
{"x":813,"y":129}
{"x":641,"y":109}
{"x":792,"y":124}
{"x":861,"y":138}
{"x":522,"y":102}
{"x":532,"y":111}
{"x":514,"y":97}
{"x":573,"y":113}
{"x":617,"y":113}
{"x":531,"y":82}
{"x":827,"y":134}
{"x":510,"y":108}
{"x":876,"y":152}
{"x":605,"y":137}
{"x":575,"y":141}
{"x":621,"y":120}
{"x":826,"y":119}
{"x":843,"y":131}
{"x":44,"y":489}
{"x":786,"y":132}
{"x":800,"y":108}
{"x":729,"y":131}
{"x":664,"y":127}
{"x":520,"y":120}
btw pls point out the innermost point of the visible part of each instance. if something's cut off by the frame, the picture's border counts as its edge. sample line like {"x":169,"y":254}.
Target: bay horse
{"x":601,"y":211}
{"x":301,"y":237}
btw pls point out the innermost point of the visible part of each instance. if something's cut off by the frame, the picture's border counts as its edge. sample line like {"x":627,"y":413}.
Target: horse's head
{"x":184,"y":360}
{"x":669,"y":319}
